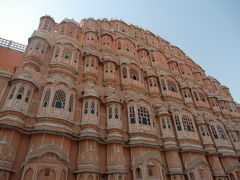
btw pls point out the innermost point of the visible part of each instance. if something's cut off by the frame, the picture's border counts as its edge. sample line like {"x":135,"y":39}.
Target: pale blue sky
{"x":208,"y":31}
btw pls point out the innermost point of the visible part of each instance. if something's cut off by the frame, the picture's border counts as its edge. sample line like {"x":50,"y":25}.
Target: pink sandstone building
{"x":104,"y":100}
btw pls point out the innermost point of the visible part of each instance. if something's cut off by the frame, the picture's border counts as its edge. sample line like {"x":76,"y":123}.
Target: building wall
{"x":10,"y":59}
{"x":107,"y":100}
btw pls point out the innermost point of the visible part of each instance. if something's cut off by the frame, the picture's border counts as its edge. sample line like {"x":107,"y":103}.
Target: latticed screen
{"x":132,"y":115}
{"x":143,"y":116}
{"x":46,"y":98}
{"x":172,"y":86}
{"x":59,"y":99}
{"x":12,"y":92}
{"x":187,"y":123}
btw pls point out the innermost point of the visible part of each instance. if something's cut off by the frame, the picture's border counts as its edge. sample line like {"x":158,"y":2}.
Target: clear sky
{"x":208,"y":31}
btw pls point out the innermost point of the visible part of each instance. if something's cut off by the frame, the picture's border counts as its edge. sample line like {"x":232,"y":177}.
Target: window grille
{"x":202,"y":131}
{"x":221,"y":132}
{"x":143,"y":116}
{"x":46,"y":98}
{"x":70,"y":106}
{"x":134,"y":75}
{"x":178,"y":123}
{"x":59,"y":99}
{"x":124,"y":72}
{"x":86,"y":107}
{"x":12,"y":92}
{"x":20,"y":92}
{"x":28,"y":96}
{"x":172,"y":86}
{"x":187,"y":123}
{"x":132,"y":115}
{"x":195,"y":95}
{"x":110,"y":113}
{"x":164,"y":87}
{"x":92,"y":107}
{"x":116,"y":113}
{"x":164,"y":126}
{"x":214,"y":132}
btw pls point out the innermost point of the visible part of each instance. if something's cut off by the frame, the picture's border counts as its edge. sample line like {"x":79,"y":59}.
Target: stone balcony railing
{"x":12,"y":45}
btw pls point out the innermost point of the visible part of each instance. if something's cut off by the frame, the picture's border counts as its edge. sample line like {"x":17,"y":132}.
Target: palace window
{"x":47,"y":172}
{"x":92,"y":107}
{"x":12,"y":92}
{"x":124,"y":72}
{"x":138,"y":173}
{"x":202,"y":131}
{"x":59,"y":99}
{"x":86,"y":107}
{"x":143,"y":116}
{"x":178,"y":123}
{"x":202,"y":97}
{"x":27,"y":97}
{"x":214,"y":132}
{"x":20,"y":93}
{"x":163,"y":84}
{"x":165,"y":123}
{"x":116,"y":113}
{"x":234,"y":137}
{"x":195,"y":95}
{"x":70,"y":106}
{"x":221,"y":132}
{"x":132,"y":115}
{"x":134,"y":75}
{"x":110,"y":113}
{"x":172,"y":86}
{"x":187,"y":123}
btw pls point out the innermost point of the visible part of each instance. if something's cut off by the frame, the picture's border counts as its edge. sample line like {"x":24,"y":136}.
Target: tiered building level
{"x":104,"y":100}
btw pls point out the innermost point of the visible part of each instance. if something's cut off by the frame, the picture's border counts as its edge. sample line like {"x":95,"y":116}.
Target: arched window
{"x":154,"y":82}
{"x":124,"y":72}
{"x":164,"y":125}
{"x":150,"y":171}
{"x":47,"y":172}
{"x":12,"y":92}
{"x":59,"y":99}
{"x":172,"y":86}
{"x":150,"y":82}
{"x":116,"y":113}
{"x":187,"y":123}
{"x":20,"y":92}
{"x":163,"y":84}
{"x":92,"y":107}
{"x":132,"y":115}
{"x":134,"y":75}
{"x":202,"y":97}
{"x":110,"y":113}
{"x":70,"y":105}
{"x":56,"y":52}
{"x":28,"y":96}
{"x":214,"y":132}
{"x":178,"y":123}
{"x":46,"y":98}
{"x":86,"y":108}
{"x":192,"y":177}
{"x":87,"y":62}
{"x":143,"y":116}
{"x":195,"y":95}
{"x":119,"y":44}
{"x":221,"y":132}
{"x":92,"y":62}
{"x":138,"y":173}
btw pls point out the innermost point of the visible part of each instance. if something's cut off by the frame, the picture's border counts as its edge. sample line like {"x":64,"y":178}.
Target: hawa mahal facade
{"x":104,"y":100}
